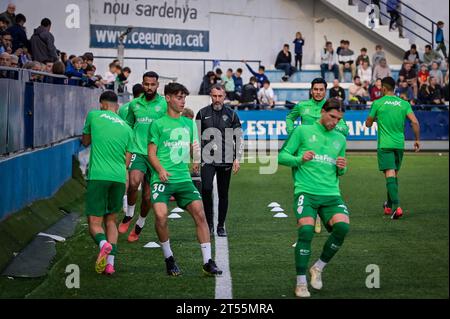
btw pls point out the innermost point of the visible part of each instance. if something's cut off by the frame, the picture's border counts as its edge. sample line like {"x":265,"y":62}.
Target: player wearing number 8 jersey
{"x":172,"y":140}
{"x":317,"y":154}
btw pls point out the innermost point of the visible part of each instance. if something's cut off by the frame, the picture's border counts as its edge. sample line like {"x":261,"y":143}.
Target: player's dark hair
{"x":333,"y":104}
{"x":262,"y":67}
{"x":138,"y":89}
{"x":151,"y":74}
{"x":175,"y":88}
{"x":109,"y":96}
{"x":388,"y":83}
{"x":318,"y":81}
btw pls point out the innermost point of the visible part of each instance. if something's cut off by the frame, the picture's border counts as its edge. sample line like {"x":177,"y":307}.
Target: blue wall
{"x":34,"y":176}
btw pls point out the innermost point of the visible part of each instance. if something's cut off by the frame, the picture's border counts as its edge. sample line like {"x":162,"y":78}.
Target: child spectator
{"x":423,"y":74}
{"x":436,"y":73}
{"x":299,"y":43}
{"x":266,"y":97}
{"x":376,"y":91}
{"x":362,"y":57}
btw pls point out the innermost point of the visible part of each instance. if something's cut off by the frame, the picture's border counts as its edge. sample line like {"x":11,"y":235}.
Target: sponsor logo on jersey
{"x":324,"y":159}
{"x":144,"y":120}
{"x":393,"y":103}
{"x":113,"y":119}
{"x":173,"y":144}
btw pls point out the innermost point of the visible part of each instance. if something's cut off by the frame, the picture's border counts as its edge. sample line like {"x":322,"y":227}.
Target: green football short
{"x":104,"y":197}
{"x":184,"y":193}
{"x":307,"y":205}
{"x":140,"y":162}
{"x":389,"y":159}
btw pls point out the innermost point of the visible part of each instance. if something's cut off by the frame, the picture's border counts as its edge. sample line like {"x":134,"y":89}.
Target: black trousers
{"x":298,"y":61}
{"x":223,"y":184}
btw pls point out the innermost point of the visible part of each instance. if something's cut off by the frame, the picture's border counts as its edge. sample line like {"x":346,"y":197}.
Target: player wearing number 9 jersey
{"x":317,"y":155}
{"x":172,"y":140}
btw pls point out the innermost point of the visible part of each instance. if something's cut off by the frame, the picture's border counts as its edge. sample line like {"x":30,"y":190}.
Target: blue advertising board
{"x":264,"y":125}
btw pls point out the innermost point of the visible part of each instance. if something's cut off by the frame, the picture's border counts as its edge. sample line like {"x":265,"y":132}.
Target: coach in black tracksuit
{"x":222,"y":148}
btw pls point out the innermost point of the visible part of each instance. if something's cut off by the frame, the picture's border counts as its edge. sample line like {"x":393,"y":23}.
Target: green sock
{"x":335,"y":241}
{"x":99,"y":237}
{"x":392,"y":187}
{"x":303,"y":248}
{"x":114,"y":250}
{"x":389,"y":201}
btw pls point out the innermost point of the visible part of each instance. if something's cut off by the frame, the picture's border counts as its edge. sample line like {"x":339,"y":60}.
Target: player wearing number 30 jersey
{"x":317,"y":154}
{"x":170,"y":142}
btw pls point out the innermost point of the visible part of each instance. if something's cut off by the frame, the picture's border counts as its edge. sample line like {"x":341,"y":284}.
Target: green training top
{"x":320,"y":175}
{"x":123,"y":111}
{"x":141,"y":113}
{"x":390,"y":113}
{"x":111,"y":138}
{"x":309,"y":111}
{"x":173,"y":138}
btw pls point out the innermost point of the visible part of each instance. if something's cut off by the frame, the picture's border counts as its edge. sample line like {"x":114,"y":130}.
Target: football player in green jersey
{"x":317,"y":155}
{"x":141,"y":113}
{"x":390,"y":113}
{"x":111,"y":139}
{"x":172,"y":140}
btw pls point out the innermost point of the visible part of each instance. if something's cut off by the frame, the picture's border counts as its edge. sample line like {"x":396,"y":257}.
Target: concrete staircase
{"x":353,"y":14}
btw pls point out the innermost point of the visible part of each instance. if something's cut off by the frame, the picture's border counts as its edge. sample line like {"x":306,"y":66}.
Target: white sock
{"x":301,"y":280}
{"x":102,"y":243}
{"x":125,"y":203}
{"x":320,"y":264}
{"x":141,"y":221}
{"x":166,"y":249}
{"x":206,"y":252}
{"x":110,"y":260}
{"x":130,"y":210}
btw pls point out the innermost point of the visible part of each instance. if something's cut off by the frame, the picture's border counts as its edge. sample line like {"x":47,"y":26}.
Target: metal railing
{"x":204,"y":61}
{"x":430,"y":31}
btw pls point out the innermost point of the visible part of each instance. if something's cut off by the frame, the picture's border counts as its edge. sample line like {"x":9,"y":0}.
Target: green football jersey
{"x":123,"y":111}
{"x":309,"y":112}
{"x":141,"y":114}
{"x":319,"y":176}
{"x":173,"y":138}
{"x":390,"y":113}
{"x":111,"y":138}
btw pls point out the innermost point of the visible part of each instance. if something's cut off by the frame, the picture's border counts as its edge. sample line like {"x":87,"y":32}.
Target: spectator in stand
{"x":440,"y":39}
{"x":74,"y":70}
{"x":228,"y":83}
{"x":266,"y":96}
{"x":436,"y":73}
{"x":122,"y":79}
{"x":34,"y":66}
{"x":260,"y":76}
{"x":446,"y":82}
{"x":284,"y":62}
{"x":365,"y":72}
{"x":299,"y":43}
{"x":6,"y":42}
{"x":423,"y":75}
{"x":381,"y":71}
{"x":110,"y":76}
{"x":377,"y":91}
{"x":42,"y":43}
{"x":431,"y":56}
{"x":9,"y":15}
{"x":59,"y":68}
{"x":238,"y":83}
{"x":337,"y":91}
{"x":412,"y":56}
{"x":358,"y":94}
{"x":340,"y":47}
{"x":89,"y":58}
{"x":14,"y":61}
{"x":433,"y":93}
{"x":249,"y":95}
{"x":346,"y":58}
{"x":329,"y":61}
{"x":378,"y":55}
{"x":18,"y":33}
{"x":209,"y":80}
{"x":48,"y":66}
{"x":5,"y":59}
{"x":404,"y":89}
{"x":64,"y":58}
{"x":219,"y":74}
{"x":377,"y":3}
{"x":23,"y":57}
{"x":410,"y":76}
{"x":362,"y":57}
{"x":3,"y":24}
{"x":393,"y":8}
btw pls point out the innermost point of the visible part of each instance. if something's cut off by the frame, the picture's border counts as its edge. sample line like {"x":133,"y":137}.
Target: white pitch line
{"x":224,"y":288}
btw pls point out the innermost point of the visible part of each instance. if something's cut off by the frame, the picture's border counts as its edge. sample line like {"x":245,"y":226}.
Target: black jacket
{"x":282,"y":58}
{"x":249,"y":93}
{"x":19,"y":36}
{"x":229,"y":130}
{"x":43,"y":45}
